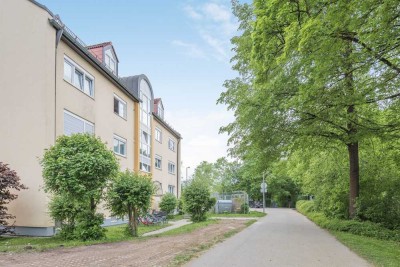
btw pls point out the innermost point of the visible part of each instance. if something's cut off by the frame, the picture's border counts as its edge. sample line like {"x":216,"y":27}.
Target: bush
{"x":355,"y":227}
{"x":244,"y":208}
{"x":9,"y":182}
{"x":197,"y":200}
{"x":168,"y":203}
{"x":78,"y":168}
{"x":180,"y":206}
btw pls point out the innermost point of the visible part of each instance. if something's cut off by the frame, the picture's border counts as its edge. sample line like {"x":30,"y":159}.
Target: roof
{"x":167,"y":126}
{"x":99,"y":45}
{"x":132,"y":83}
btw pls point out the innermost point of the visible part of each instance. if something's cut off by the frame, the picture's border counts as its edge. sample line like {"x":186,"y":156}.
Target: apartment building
{"x":53,"y":84}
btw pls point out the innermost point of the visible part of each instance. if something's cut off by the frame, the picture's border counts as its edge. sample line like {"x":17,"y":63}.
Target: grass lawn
{"x":251,"y":214}
{"x":113,"y":234}
{"x":175,"y":217}
{"x":188,"y":228}
{"x":379,"y":252}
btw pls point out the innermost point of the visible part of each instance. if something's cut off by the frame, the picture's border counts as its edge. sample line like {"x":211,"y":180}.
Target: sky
{"x":183,"y":47}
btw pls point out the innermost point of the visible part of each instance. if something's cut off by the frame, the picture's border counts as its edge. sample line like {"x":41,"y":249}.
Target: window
{"x":74,"y":124}
{"x":110,"y":63}
{"x":158,"y":135}
{"x":120,"y":107}
{"x":144,"y":167}
{"x":171,"y":189}
{"x":119,"y":145}
{"x":158,"y":162}
{"x":171,"y":144}
{"x":160,"y":111}
{"x":171,"y":168}
{"x":79,"y":78}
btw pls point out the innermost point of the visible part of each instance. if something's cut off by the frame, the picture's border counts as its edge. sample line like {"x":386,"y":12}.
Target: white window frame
{"x":85,"y":122}
{"x":171,"y":189}
{"x":157,"y":130}
{"x":171,"y":141}
{"x":86,"y":76}
{"x":158,"y":157}
{"x":120,"y":100}
{"x":170,"y":163}
{"x":122,"y":140}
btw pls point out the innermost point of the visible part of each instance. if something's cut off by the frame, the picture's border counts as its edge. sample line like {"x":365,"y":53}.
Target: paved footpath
{"x":283,"y":238}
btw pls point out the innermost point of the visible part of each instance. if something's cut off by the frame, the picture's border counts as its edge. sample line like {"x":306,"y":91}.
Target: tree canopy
{"x":316,"y":74}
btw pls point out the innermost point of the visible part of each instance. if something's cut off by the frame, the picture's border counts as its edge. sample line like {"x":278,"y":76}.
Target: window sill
{"x":123,"y":156}
{"x":79,"y":89}
{"x":120,"y":116}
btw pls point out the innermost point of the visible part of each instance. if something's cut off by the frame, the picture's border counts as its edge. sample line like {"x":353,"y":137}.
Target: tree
{"x":130,"y":193}
{"x":9,"y":180}
{"x":77,"y":168}
{"x":325,"y":72}
{"x":197,"y":200}
{"x":168,"y":203}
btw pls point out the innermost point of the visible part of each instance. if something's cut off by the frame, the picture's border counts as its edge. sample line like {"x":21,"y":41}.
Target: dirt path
{"x":158,"y":251}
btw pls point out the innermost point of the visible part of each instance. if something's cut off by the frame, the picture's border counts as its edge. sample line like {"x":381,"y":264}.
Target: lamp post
{"x":263,"y":190}
{"x":187,"y":173}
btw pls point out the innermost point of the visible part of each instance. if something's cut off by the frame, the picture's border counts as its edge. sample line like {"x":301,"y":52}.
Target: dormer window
{"x":160,"y":111}
{"x":110,"y":63}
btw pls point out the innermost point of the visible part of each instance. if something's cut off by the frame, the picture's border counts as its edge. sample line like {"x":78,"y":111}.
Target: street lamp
{"x":187,"y":173}
{"x":264,"y":190}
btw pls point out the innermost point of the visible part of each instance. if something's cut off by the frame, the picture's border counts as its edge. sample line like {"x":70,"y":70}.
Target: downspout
{"x":59,"y":34}
{"x":177,"y":169}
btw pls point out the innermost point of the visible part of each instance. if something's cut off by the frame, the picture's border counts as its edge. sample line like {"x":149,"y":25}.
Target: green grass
{"x":188,"y":228}
{"x":250,"y":222}
{"x":113,"y":234}
{"x":251,"y":214}
{"x":379,"y":252}
{"x":175,"y":217}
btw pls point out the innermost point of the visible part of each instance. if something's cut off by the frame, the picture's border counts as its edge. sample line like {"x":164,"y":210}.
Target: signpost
{"x":264,"y":188}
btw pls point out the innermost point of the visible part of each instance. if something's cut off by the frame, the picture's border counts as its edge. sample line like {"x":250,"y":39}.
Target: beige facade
{"x":38,"y":100}
{"x":167,"y":178}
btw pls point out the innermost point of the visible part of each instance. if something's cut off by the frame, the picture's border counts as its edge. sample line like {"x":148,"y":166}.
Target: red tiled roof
{"x":99,"y":45}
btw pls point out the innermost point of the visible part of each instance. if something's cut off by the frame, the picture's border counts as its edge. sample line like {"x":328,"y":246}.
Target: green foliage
{"x":168,"y":203}
{"x":244,"y":208}
{"x":365,"y":228}
{"x":314,"y":74}
{"x":197,"y":200}
{"x":89,"y":226}
{"x":65,"y":211}
{"x":129,"y":194}
{"x":76,"y":170}
{"x":180,"y":206}
{"x":9,"y":183}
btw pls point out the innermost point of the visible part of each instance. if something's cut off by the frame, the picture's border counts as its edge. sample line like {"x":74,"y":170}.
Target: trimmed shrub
{"x":168,"y":203}
{"x":197,"y":200}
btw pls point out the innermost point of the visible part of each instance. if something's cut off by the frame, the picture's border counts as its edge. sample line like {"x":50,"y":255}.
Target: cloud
{"x":192,"y":13}
{"x":215,"y":25}
{"x":189,"y":49}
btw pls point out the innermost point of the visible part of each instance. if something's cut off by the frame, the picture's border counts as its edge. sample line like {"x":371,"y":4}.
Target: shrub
{"x":365,"y":228}
{"x":168,"y":203}
{"x":244,"y":208}
{"x":180,"y":206}
{"x":197,"y":200}
{"x":78,"y":168}
{"x":9,"y":181}
{"x":129,"y":194}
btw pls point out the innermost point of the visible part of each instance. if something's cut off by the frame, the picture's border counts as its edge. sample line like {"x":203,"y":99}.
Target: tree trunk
{"x":354,"y":177}
{"x":92,"y":205}
{"x":131,"y":220}
{"x":135,"y":218}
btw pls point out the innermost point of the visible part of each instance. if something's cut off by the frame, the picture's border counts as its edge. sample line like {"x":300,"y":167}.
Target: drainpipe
{"x":177,"y":169}
{"x":59,"y":34}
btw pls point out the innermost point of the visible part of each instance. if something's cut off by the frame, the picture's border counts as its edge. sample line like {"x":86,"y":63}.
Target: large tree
{"x":318,"y":72}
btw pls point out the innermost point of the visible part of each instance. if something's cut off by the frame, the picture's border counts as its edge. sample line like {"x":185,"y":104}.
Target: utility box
{"x":223,"y":206}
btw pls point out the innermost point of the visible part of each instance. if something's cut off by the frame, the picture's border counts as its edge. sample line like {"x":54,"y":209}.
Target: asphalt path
{"x":283,"y":238}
